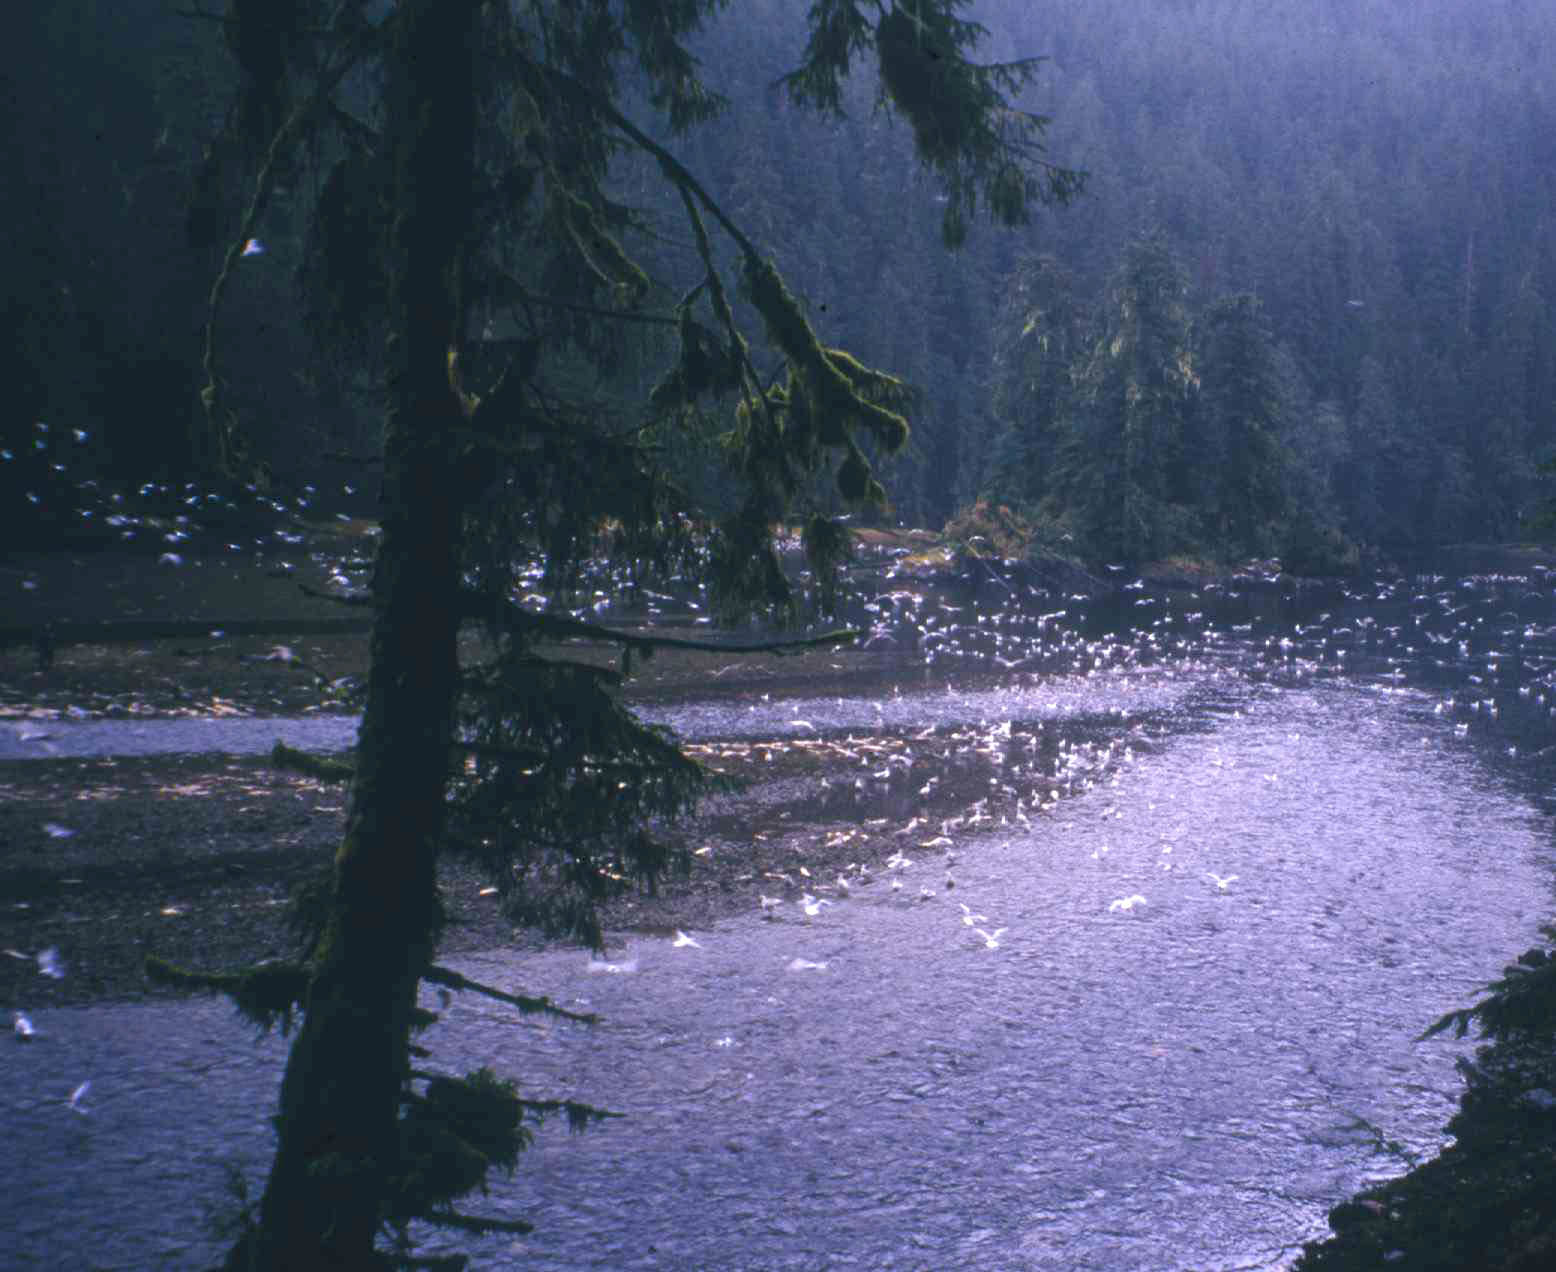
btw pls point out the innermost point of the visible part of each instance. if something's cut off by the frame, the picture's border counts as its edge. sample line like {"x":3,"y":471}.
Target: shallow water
{"x":1188,"y":1082}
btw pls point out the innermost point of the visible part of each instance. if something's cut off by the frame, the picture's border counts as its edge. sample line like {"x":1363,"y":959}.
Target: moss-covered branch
{"x":223,"y":425}
{"x":476,"y":1223}
{"x":579,"y":1115}
{"x":267,"y":994}
{"x":326,"y":770}
{"x":450,"y":979}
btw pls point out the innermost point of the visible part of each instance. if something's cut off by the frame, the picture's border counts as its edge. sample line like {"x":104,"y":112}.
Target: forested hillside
{"x":1378,"y":177}
{"x":1309,"y":288}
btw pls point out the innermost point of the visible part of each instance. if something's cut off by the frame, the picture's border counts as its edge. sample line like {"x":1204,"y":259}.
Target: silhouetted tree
{"x":470,"y":197}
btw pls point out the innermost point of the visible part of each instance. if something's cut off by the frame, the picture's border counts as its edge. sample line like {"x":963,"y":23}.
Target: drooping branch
{"x":264,"y":185}
{"x":450,"y":979}
{"x":318,"y":766}
{"x":579,"y":1115}
{"x":668,"y":163}
{"x":475,"y":1223}
{"x":268,"y":994}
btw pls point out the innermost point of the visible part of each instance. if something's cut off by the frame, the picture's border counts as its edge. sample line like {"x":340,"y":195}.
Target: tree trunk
{"x":338,"y":1126}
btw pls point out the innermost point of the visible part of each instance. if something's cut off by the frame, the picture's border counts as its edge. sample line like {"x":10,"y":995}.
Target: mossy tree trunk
{"x":337,"y":1155}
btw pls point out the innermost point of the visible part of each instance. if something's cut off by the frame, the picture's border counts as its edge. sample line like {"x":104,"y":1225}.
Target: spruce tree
{"x":1239,"y":422}
{"x":466,"y":150}
{"x":1122,"y":463}
{"x":1042,"y":329}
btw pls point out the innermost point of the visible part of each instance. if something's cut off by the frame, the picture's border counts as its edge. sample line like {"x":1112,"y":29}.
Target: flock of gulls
{"x":49,"y":964}
{"x":1490,"y":637}
{"x":1033,"y":766}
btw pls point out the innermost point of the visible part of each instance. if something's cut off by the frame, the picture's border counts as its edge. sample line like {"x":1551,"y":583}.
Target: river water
{"x":1180,"y":1028}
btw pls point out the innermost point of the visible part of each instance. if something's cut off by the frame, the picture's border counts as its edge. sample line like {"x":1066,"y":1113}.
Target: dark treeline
{"x":1305,"y":304}
{"x":1309,"y":288}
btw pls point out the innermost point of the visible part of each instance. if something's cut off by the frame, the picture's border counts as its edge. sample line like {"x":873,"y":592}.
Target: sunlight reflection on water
{"x":1188,"y":1084}
{"x":1186,"y":1081}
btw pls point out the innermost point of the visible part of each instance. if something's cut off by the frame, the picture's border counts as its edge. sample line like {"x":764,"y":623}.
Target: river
{"x":1180,"y":1027}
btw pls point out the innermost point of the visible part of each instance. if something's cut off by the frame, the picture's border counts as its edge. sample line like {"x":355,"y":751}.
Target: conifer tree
{"x":1122,"y":462}
{"x":466,"y":149}
{"x":1239,"y":422}
{"x":1042,"y":331}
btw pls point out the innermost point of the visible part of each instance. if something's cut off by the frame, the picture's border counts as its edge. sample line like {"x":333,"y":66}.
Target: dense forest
{"x":1304,"y":304}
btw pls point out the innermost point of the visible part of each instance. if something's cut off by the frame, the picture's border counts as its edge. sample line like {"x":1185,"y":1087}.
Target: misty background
{"x":1314,"y":261}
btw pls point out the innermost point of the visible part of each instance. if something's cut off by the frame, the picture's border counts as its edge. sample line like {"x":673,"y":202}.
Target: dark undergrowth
{"x":1488,"y":1202}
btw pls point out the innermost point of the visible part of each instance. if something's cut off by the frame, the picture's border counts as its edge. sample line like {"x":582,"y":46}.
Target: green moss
{"x":825,"y":375}
{"x":267,"y":994}
{"x":600,"y":250}
{"x":286,"y":757}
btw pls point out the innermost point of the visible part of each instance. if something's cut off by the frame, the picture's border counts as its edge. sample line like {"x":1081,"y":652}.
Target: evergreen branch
{"x":326,"y":770}
{"x":725,"y":314}
{"x":1521,"y":1002}
{"x":451,"y":979}
{"x":791,"y":332}
{"x":266,"y":994}
{"x":578,"y":1115}
{"x":528,"y":623}
{"x":264,"y":184}
{"x":668,"y":163}
{"x":475,"y":1223}
{"x":528,"y":755}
